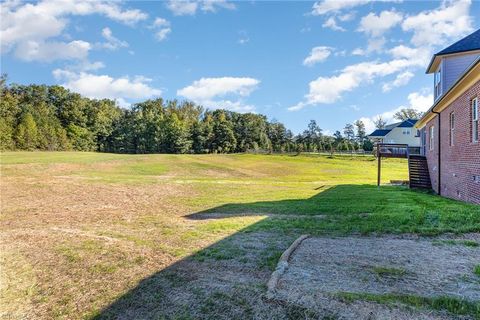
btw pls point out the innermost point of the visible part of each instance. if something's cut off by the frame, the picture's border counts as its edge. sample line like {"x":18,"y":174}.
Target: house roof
{"x":466,"y":74}
{"x":391,"y":126}
{"x":379,"y":133}
{"x":408,"y":123}
{"x":469,"y":43}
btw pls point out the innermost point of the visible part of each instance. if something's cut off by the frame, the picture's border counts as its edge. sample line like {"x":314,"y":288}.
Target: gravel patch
{"x":321,"y":268}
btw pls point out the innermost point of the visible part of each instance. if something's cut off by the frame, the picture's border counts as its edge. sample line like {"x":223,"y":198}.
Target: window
{"x":452,"y":128}
{"x":438,"y":83}
{"x":432,"y":129}
{"x":475,"y":120}
{"x":406,"y":131}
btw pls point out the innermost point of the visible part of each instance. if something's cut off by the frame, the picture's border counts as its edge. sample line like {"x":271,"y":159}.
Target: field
{"x":92,"y":235}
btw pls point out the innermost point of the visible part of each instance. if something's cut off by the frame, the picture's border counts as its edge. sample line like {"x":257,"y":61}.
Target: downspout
{"x":439,"y":153}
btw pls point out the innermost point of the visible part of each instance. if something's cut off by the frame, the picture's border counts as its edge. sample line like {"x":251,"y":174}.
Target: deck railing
{"x":395,"y":150}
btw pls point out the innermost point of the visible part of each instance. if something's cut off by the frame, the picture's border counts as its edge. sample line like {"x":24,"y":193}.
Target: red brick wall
{"x":460,"y":163}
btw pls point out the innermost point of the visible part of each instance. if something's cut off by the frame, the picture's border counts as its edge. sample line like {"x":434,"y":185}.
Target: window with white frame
{"x":475,"y":120}
{"x":438,"y":82}
{"x":431,"y":137}
{"x":406,"y":131}
{"x":452,"y":128}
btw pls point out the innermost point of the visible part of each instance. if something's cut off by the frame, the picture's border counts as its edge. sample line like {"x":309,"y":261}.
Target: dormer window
{"x":438,"y":82}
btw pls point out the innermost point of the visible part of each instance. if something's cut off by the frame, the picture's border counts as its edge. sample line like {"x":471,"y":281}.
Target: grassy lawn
{"x":87,"y":235}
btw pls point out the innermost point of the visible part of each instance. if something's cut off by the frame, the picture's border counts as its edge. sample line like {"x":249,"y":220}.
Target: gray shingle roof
{"x":379,"y":133}
{"x":469,"y":43}
{"x":409,"y":123}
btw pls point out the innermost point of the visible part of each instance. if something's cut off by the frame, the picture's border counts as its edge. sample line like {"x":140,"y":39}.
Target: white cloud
{"x":318,"y":54}
{"x":112,"y":43}
{"x":376,"y":25}
{"x":163,"y":28}
{"x":237,"y":106}
{"x":29,"y":25}
{"x":212,"y":5}
{"x":329,"y":6}
{"x":90,"y":66}
{"x":220,"y":92}
{"x":420,"y":101}
{"x":207,"y":88}
{"x":332,"y":24}
{"x":401,"y":80}
{"x":190,"y":7}
{"x":421,"y":54}
{"x":49,"y":51}
{"x":374,"y":45}
{"x":335,"y":6}
{"x":358,"y":52}
{"x":435,"y":27}
{"x":182,"y":8}
{"x":161,"y":22}
{"x":162,"y":34}
{"x":104,"y":86}
{"x":347,"y":16}
{"x":325,"y":90}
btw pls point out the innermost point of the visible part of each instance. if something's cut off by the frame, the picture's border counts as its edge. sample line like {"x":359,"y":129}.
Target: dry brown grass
{"x":128,"y":236}
{"x":70,"y":245}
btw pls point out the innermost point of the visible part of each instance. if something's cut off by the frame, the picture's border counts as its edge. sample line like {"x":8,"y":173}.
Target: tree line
{"x":41,"y":117}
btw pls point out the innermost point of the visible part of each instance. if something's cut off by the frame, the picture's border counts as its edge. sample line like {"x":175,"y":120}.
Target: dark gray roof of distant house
{"x":409,"y":123}
{"x":380,"y":133}
{"x":391,"y":126}
{"x":469,"y":43}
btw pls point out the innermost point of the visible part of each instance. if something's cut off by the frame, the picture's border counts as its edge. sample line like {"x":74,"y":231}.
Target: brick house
{"x":450,"y":129}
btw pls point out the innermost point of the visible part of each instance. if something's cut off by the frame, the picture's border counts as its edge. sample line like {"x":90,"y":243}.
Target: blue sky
{"x":332,"y":61}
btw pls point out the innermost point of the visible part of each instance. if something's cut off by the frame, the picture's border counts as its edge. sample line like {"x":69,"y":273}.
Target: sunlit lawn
{"x":81,"y":229}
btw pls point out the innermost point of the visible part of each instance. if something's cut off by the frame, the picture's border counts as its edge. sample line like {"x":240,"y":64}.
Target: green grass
{"x":466,"y":243}
{"x":452,"y":305}
{"x":476,"y":270}
{"x":106,"y":222}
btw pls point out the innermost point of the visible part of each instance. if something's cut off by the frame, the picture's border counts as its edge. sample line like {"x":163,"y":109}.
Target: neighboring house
{"x":397,"y":133}
{"x":450,"y":129}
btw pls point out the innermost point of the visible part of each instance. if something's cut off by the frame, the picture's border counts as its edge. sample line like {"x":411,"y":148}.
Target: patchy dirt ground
{"x":186,"y":237}
{"x":322,"y":270}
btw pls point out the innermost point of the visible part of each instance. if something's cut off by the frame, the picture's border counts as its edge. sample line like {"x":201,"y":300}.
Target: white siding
{"x":397,"y":136}
{"x":454,"y":66}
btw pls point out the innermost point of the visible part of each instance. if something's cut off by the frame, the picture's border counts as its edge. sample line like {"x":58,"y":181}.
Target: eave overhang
{"x":467,"y":80}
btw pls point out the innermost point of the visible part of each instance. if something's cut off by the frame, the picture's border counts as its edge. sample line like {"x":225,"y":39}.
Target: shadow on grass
{"x":227,"y":279}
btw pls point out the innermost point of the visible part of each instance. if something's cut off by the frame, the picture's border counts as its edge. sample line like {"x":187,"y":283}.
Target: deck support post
{"x":379,"y":158}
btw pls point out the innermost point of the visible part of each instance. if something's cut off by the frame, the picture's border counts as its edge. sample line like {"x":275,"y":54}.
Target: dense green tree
{"x":9,"y":113}
{"x":407,"y":113}
{"x":349,"y":132}
{"x":278,"y":136}
{"x":54,"y":118}
{"x":360,"y":131}
{"x":176,"y":135}
{"x":223,"y":138}
{"x":27,"y":133}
